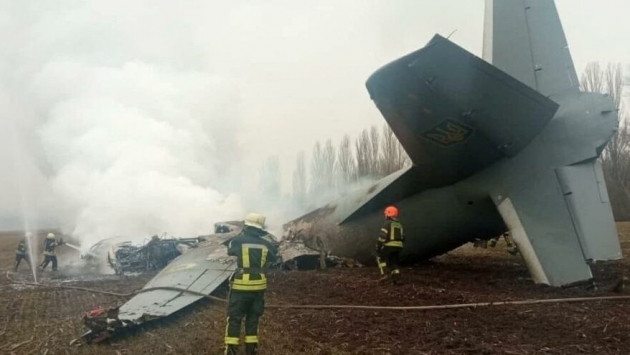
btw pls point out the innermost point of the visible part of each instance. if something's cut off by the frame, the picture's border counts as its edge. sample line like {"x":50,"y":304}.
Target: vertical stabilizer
{"x":525,"y":39}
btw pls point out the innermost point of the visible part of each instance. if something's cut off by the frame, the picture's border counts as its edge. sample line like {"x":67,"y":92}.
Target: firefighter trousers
{"x":389,"y":257}
{"x":48,"y":259}
{"x":244,"y":304}
{"x":19,"y":258}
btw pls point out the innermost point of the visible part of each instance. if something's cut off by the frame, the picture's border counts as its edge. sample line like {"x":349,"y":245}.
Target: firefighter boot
{"x":395,"y":277}
{"x":251,"y":349}
{"x":231,"y":350}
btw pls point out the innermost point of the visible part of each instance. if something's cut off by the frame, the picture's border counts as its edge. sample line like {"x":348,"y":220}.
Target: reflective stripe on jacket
{"x":392,"y":234}
{"x":253,"y":253}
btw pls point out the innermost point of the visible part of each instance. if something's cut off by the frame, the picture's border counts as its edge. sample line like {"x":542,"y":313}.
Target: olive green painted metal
{"x":509,"y":143}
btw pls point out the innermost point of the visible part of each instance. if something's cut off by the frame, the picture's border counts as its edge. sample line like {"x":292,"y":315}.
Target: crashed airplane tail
{"x":508,"y":145}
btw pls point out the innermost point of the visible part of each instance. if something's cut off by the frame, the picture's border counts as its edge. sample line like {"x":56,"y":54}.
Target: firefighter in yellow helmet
{"x":248,"y":283}
{"x":390,"y":243}
{"x":49,"y":251}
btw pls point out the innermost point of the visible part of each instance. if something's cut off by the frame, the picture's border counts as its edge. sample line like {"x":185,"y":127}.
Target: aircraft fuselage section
{"x":441,"y":219}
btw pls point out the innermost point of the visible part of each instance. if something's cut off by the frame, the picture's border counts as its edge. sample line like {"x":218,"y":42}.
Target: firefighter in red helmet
{"x":390,"y":243}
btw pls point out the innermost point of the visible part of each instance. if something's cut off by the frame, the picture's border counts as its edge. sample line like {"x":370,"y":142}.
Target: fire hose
{"x":325,"y":306}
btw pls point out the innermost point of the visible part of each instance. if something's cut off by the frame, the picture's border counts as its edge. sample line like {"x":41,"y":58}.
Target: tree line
{"x":615,"y":158}
{"x":375,"y":153}
{"x":372,"y":155}
{"x":329,"y":168}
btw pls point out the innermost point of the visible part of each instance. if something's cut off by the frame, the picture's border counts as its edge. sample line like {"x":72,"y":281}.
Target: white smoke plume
{"x":134,"y":149}
{"x":147,"y":117}
{"x":132,"y":134}
{"x":141,"y":117}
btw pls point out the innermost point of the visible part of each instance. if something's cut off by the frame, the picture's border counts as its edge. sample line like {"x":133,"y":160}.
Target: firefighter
{"x":511,"y":246}
{"x":21,"y":252}
{"x":221,"y":228}
{"x":49,"y":251}
{"x":390,"y":243}
{"x":248,"y":283}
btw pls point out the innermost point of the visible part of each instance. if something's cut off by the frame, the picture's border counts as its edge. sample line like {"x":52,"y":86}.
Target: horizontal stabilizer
{"x":559,"y":220}
{"x":541,"y":225}
{"x":584,"y":190}
{"x":454,"y":113}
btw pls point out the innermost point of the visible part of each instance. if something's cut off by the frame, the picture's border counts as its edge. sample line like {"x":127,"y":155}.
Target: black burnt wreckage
{"x":154,"y":255}
{"x":508,"y":143}
{"x":190,"y":268}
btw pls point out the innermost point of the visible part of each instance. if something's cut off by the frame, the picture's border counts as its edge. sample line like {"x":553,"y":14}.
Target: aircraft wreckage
{"x":201,"y":266}
{"x":508,"y":143}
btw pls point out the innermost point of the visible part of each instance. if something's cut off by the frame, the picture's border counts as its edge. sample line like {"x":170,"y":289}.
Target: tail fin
{"x":525,"y":39}
{"x":454,"y":113}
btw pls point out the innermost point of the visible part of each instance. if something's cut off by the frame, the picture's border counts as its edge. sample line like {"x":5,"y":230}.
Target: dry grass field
{"x":38,"y":320}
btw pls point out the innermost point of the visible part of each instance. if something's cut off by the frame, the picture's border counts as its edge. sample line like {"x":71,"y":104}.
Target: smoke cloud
{"x":140,"y":117}
{"x":132,"y":133}
{"x":135,"y":149}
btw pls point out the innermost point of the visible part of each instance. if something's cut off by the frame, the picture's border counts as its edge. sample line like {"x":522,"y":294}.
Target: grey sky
{"x":277,"y":75}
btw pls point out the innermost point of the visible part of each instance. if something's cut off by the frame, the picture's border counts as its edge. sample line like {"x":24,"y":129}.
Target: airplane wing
{"x":524,"y":38}
{"x":200,"y":269}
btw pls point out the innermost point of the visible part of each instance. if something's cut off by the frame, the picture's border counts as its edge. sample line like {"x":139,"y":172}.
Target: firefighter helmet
{"x":391,"y":212}
{"x":50,"y":236}
{"x":255,"y":220}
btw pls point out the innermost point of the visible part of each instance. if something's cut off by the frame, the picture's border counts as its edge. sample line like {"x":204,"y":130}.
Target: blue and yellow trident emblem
{"x":449,"y":132}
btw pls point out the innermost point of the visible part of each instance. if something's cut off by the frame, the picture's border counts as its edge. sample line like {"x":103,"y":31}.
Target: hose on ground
{"x":326,"y":306}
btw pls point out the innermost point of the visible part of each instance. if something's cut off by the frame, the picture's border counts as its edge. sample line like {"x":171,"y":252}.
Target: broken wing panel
{"x":541,"y":224}
{"x":454,"y":113}
{"x":193,"y":270}
{"x":585,"y":192}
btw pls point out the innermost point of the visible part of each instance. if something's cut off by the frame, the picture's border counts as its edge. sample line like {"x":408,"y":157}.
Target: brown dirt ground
{"x":44,"y":321}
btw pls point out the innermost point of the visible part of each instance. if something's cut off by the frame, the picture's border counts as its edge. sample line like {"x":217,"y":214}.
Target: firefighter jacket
{"x":253,"y":252}
{"x":50,"y":245}
{"x":21,"y":248}
{"x":392,"y":234}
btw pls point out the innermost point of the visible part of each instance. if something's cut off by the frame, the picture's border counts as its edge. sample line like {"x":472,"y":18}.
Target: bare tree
{"x":362,"y":148}
{"x":317,"y":170}
{"x":299,"y":180}
{"x":393,"y":156}
{"x":270,"y":177}
{"x":375,"y":168}
{"x":613,"y":82}
{"x":616,"y":150}
{"x":389,"y":150}
{"x":328,"y":160}
{"x":345,"y":162}
{"x":616,"y":155}
{"x":592,"y":78}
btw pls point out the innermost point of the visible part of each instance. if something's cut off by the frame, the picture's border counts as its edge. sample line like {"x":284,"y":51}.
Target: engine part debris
{"x":154,"y":255}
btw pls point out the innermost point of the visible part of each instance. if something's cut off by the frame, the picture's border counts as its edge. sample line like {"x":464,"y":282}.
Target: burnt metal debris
{"x":196,"y":264}
{"x":126,"y":257}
